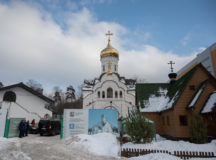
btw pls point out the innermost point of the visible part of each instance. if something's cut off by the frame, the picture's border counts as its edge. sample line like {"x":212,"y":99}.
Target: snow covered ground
{"x":102,"y":146}
{"x":35,"y":147}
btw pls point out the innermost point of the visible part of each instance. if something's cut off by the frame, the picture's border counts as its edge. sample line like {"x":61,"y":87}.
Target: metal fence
{"x":129,"y":152}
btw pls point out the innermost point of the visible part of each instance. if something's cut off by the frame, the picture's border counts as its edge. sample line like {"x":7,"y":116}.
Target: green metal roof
{"x":145,"y":90}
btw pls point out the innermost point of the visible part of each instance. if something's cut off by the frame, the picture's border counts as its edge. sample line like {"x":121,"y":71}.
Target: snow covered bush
{"x":138,"y":128}
{"x":197,"y":129}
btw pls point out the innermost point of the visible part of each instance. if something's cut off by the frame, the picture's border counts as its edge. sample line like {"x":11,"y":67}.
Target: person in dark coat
{"x":21,"y":129}
{"x":26,"y":128}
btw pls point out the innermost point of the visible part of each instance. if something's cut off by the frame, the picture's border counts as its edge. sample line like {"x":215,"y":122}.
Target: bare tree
{"x":35,"y":85}
{"x":1,"y":85}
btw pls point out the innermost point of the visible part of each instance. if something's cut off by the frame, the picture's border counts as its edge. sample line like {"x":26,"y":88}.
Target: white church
{"x":109,"y":90}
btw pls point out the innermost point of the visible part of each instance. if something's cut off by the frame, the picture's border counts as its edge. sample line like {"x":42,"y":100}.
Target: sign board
{"x":14,"y":127}
{"x":75,"y":121}
{"x":92,"y":121}
{"x":103,"y":120}
{"x":3,"y":116}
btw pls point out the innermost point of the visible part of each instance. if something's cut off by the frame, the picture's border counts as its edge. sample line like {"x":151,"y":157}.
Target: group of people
{"x":24,"y":128}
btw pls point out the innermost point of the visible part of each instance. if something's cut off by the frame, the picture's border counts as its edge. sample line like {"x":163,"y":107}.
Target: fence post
{"x":7,"y":128}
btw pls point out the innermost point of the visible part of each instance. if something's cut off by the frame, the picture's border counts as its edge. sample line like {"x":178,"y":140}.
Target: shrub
{"x":197,"y":129}
{"x":138,"y":128}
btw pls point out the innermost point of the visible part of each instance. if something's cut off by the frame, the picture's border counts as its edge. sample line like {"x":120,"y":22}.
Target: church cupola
{"x":172,"y":75}
{"x":109,"y":58}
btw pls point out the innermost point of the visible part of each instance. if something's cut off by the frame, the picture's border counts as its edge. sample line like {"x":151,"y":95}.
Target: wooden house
{"x":170,"y":105}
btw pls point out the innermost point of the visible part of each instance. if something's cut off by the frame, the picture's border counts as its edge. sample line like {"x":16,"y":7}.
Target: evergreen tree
{"x":70,"y":94}
{"x":197,"y":129}
{"x":138,"y":128}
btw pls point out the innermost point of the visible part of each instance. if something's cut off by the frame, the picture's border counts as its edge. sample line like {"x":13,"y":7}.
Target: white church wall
{"x":120,"y":103}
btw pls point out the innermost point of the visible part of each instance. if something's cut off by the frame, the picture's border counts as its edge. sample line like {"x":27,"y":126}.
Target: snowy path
{"x":35,"y":147}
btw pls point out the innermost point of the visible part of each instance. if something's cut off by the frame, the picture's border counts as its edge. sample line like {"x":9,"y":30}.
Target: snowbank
{"x":156,"y":156}
{"x":104,"y":144}
{"x":5,"y":141}
{"x":174,"y":146}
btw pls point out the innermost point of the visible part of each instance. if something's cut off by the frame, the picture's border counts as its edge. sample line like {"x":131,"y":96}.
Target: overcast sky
{"x":58,"y":43}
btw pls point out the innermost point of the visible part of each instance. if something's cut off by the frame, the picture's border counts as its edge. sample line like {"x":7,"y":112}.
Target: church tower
{"x":109,"y":58}
{"x":109,"y":90}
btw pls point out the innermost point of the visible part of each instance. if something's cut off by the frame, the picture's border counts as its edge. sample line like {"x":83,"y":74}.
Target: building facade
{"x":110,"y":90}
{"x":21,"y":101}
{"x":170,"y":105}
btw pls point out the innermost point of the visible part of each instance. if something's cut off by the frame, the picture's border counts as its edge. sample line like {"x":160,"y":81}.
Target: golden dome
{"x":109,"y":51}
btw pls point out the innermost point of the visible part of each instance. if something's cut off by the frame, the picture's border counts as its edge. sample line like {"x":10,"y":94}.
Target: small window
{"x":116,"y":94}
{"x":115,"y":68}
{"x":120,"y":94}
{"x":109,"y":93}
{"x":163,"y":120}
{"x":9,"y":96}
{"x":183,"y":120}
{"x":103,"y":94}
{"x":168,"y":121}
{"x":103,"y":68}
{"x":192,"y":87}
{"x":98,"y":94}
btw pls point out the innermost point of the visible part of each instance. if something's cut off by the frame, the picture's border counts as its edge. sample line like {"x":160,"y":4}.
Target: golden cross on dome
{"x":109,"y":34}
{"x":171,"y":65}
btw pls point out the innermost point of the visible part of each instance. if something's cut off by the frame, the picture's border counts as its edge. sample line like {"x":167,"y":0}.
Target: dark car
{"x":49,"y":127}
{"x":33,"y":129}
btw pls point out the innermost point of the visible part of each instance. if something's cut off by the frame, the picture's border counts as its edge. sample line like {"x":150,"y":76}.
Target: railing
{"x":28,"y":110}
{"x":128,"y":152}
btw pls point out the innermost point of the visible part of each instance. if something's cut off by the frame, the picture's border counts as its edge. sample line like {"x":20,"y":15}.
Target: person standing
{"x":33,"y":122}
{"x":21,"y":129}
{"x":26,"y":128}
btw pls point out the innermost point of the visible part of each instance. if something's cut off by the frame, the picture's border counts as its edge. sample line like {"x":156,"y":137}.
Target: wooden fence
{"x":128,"y":152}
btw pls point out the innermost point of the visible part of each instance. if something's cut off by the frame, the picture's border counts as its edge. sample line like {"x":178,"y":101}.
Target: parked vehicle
{"x":49,"y":127}
{"x":33,"y":129}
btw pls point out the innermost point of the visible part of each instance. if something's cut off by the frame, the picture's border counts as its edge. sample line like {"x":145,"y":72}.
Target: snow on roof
{"x":197,"y":95}
{"x":87,"y":88}
{"x":158,"y":103}
{"x":131,"y":87}
{"x":210,"y":103}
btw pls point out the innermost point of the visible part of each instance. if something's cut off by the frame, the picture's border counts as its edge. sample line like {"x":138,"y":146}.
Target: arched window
{"x":9,"y":96}
{"x":116,"y":94}
{"x":109,"y":93}
{"x":120,"y":94}
{"x":103,"y":94}
{"x":98,"y":94}
{"x":103,"y":68}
